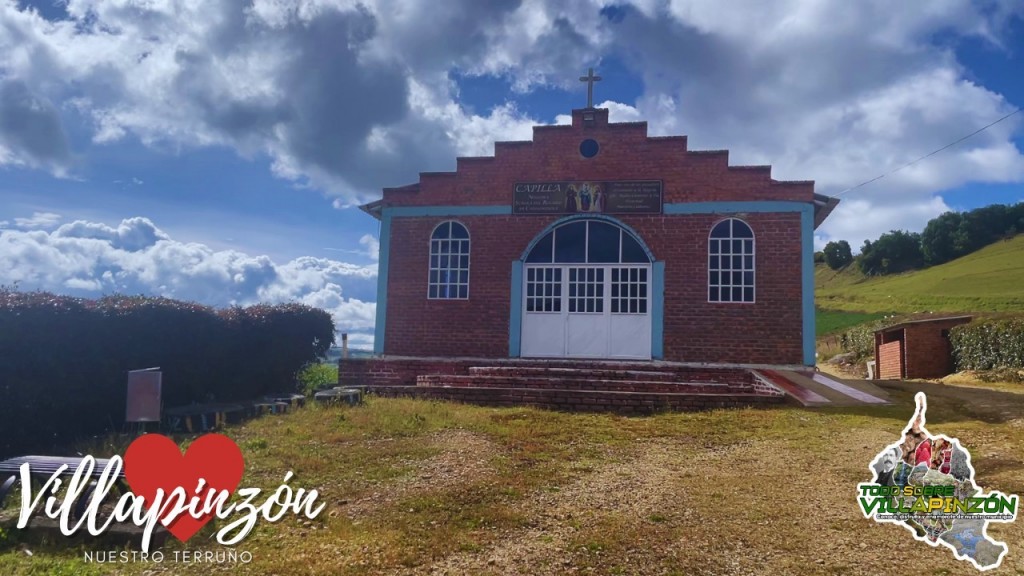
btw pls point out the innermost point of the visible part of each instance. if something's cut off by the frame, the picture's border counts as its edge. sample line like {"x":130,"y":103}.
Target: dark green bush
{"x":837,"y":254}
{"x":64,"y":361}
{"x":989,"y":344}
{"x":893,"y":252}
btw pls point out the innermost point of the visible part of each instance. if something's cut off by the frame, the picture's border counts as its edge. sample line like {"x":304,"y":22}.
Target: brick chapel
{"x":596,"y":241}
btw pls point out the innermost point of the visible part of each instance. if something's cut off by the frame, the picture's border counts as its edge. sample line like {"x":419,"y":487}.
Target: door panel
{"x":630,"y":332}
{"x":630,"y":336}
{"x":543,"y":330}
{"x":587,"y":322}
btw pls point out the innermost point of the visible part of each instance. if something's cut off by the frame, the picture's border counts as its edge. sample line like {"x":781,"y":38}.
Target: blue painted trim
{"x":515,"y":313}
{"x":382,"y":283}
{"x":406,"y":211}
{"x":731,"y":207}
{"x":658,"y":311}
{"x":567,"y":219}
{"x":807,"y":276}
{"x":677,"y":208}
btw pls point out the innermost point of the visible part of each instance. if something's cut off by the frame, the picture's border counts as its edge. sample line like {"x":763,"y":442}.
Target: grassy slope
{"x":990,"y":280}
{"x":835,"y":321}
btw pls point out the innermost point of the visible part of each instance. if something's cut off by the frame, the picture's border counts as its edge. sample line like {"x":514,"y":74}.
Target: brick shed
{"x":596,"y":241}
{"x":916,"y":349}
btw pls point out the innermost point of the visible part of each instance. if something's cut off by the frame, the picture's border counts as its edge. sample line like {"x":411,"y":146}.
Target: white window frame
{"x":720,"y":285}
{"x":537,"y":281}
{"x":624,"y":301}
{"x":449,"y":269}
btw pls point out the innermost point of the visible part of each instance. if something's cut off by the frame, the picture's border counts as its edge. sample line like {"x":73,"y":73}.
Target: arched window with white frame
{"x":731,"y":275}
{"x":449,"y":262}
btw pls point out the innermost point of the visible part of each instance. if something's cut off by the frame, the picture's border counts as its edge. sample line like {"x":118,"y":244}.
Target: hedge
{"x":989,"y":344}
{"x":64,"y":361}
{"x":861,"y":338}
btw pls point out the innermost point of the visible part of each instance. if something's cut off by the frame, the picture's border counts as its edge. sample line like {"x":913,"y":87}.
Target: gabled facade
{"x":597,"y":241}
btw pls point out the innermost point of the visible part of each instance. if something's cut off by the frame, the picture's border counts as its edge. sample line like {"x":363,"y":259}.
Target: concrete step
{"x":577,"y":382}
{"x":599,"y":371}
{"x":574,"y":373}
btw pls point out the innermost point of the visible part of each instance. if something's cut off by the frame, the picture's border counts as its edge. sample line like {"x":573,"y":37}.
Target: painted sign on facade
{"x":573,"y":197}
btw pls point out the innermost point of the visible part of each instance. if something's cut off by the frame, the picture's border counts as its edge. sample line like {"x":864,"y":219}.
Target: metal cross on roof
{"x":590,"y":79}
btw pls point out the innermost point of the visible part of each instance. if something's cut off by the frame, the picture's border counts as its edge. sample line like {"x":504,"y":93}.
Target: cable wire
{"x":950,"y":145}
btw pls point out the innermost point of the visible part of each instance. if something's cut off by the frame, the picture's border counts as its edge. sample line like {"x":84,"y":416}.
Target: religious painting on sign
{"x":575,"y":197}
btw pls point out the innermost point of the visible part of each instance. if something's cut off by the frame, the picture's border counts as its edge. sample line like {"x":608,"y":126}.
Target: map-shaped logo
{"x":926,"y":484}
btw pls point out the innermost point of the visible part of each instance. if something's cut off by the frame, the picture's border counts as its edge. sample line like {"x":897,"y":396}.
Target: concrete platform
{"x":808,"y":388}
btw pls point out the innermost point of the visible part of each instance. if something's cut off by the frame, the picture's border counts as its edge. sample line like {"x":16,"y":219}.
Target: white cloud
{"x":349,"y":97}
{"x":857,"y":220}
{"x":831,"y":91}
{"x":372,"y":246}
{"x":91,"y":258}
{"x":37,"y":220}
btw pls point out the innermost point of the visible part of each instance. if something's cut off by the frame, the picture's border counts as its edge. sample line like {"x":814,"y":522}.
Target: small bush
{"x":317,"y":376}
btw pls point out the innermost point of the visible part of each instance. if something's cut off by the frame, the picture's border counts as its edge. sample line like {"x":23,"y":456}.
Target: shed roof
{"x":944,"y":319}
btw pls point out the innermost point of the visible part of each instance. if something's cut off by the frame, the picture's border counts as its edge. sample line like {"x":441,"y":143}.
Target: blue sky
{"x":215,"y":151}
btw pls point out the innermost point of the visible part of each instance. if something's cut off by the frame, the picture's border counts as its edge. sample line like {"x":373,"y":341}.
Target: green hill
{"x":989,"y":280}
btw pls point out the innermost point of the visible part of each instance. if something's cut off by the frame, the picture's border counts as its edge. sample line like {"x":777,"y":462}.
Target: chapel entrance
{"x":586,"y":294}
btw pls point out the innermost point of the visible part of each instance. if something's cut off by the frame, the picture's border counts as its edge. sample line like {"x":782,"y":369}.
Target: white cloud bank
{"x":353,"y":96}
{"x":135,"y":257}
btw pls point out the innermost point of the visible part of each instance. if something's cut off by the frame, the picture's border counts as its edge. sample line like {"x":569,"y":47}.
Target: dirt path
{"x":985,"y":404}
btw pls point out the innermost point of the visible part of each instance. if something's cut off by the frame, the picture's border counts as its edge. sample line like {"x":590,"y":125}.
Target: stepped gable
{"x":553,"y":154}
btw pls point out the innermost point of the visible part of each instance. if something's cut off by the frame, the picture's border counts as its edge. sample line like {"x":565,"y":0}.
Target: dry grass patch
{"x":415,"y":487}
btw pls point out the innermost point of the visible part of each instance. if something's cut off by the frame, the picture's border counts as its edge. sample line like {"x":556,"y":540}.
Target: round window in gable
{"x":589,"y":148}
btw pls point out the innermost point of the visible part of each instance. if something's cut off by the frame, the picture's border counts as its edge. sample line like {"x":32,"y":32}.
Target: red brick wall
{"x":929,"y":354}
{"x":395,"y":371}
{"x":890,"y":360}
{"x":768,"y":331}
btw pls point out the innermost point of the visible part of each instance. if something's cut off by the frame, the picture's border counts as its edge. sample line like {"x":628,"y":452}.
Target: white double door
{"x":587,"y":311}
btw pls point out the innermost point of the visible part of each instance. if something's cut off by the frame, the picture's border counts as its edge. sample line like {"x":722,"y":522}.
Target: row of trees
{"x":945,"y":238}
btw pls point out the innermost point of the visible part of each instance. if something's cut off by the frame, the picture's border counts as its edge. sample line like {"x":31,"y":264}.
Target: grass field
{"x":835,"y":321}
{"x":415,"y":487}
{"x":989,"y":280}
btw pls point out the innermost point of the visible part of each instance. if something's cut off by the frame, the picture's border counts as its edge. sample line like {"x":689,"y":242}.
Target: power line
{"x":950,"y":145}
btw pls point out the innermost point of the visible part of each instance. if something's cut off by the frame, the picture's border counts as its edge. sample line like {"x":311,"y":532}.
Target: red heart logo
{"x":154,"y":461}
